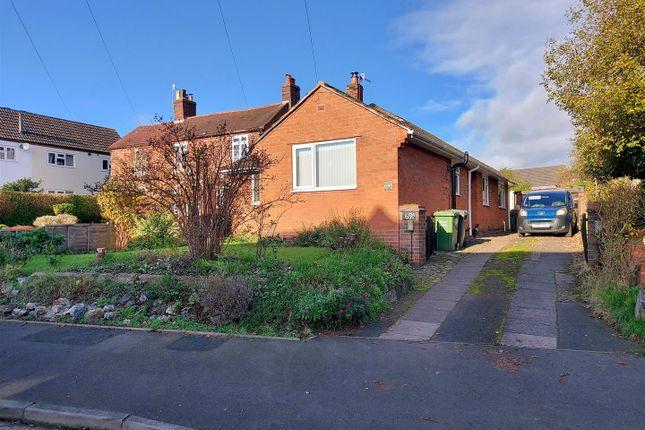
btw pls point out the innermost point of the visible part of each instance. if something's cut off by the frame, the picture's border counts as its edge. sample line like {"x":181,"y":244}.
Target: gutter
{"x":470,"y":200}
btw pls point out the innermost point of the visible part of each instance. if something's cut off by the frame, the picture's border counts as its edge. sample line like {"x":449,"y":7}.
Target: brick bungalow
{"x":341,"y":155}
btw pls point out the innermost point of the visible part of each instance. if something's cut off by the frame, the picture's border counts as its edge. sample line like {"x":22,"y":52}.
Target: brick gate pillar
{"x":412,"y":232}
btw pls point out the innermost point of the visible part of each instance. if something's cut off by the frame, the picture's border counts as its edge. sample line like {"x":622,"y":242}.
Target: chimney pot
{"x":290,"y":91}
{"x":354,"y":88}
{"x":184,"y":106}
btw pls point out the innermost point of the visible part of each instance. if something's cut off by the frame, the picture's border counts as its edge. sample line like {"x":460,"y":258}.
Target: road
{"x":212,"y":382}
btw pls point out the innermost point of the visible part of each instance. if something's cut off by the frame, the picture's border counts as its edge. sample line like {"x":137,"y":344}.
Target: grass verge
{"x":505,"y":265}
{"x":614,"y":304}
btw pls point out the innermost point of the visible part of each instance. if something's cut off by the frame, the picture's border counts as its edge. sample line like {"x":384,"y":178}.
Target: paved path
{"x":532,"y":318}
{"x":328,"y":383}
{"x":424,"y":318}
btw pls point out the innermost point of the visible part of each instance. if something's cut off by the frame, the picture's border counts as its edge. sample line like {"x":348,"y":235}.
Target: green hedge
{"x":18,"y":208}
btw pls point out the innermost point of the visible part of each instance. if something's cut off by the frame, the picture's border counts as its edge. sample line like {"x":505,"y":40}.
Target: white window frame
{"x":64,"y":156}
{"x":243,"y":143}
{"x":181,"y":150}
{"x":255,"y":189}
{"x":4,"y":151}
{"x":313,"y":187}
{"x":485,"y":191}
{"x":457,"y":181}
{"x":501,"y":192}
{"x":109,"y":164}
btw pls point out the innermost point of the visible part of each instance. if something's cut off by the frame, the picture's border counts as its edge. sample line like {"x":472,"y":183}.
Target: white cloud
{"x":497,"y":46}
{"x":439,"y":105}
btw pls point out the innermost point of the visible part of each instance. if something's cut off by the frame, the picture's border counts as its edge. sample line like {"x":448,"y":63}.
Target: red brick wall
{"x":423,"y":179}
{"x":490,"y":217}
{"x":327,"y":116}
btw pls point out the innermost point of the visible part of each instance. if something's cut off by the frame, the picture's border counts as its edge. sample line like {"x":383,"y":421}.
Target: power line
{"x":42,"y":62}
{"x":230,"y":47}
{"x":107,"y":51}
{"x":311,"y":41}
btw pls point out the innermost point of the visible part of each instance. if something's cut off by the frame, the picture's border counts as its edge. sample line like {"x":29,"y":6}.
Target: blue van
{"x":551,"y":211}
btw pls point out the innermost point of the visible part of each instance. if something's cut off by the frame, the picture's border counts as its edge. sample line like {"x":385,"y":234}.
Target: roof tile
{"x":46,"y":130}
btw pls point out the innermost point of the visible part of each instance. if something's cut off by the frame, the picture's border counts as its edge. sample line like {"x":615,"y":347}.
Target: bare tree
{"x":198,"y":180}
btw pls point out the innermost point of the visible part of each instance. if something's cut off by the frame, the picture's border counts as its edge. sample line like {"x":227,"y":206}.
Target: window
{"x":105,"y":165}
{"x":255,"y":189}
{"x":60,"y":159}
{"x":60,"y":192}
{"x":501,"y":194}
{"x":181,"y":155}
{"x":325,"y":166}
{"x":457,"y":181}
{"x":240,"y":146}
{"x":7,"y":153}
{"x":485,"y":200}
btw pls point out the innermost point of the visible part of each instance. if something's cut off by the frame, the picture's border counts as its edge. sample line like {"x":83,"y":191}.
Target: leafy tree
{"x":24,"y":185}
{"x":597,"y":75}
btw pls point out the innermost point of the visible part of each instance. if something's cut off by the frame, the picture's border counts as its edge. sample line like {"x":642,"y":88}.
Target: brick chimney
{"x":354,"y":88}
{"x":184,"y":106}
{"x":290,"y":91}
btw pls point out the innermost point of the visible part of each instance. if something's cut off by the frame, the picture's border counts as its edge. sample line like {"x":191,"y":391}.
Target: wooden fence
{"x":79,"y":237}
{"x":85,"y":237}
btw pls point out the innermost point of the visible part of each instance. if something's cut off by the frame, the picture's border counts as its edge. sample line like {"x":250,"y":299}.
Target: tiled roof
{"x":238,"y":121}
{"x":46,"y":130}
{"x":540,"y":177}
{"x":433,"y":141}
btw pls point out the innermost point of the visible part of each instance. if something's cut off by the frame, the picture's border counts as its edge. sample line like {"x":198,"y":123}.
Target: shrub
{"x":18,"y":208}
{"x":225,"y":299}
{"x":317,"y":294}
{"x":61,"y":219}
{"x":349,"y":231}
{"x":24,"y":185}
{"x":47,"y":288}
{"x":332,"y":308}
{"x":28,"y":243}
{"x":63,"y":208}
{"x":121,"y":210}
{"x":23,"y":208}
{"x":86,"y":208}
{"x":157,"y":230}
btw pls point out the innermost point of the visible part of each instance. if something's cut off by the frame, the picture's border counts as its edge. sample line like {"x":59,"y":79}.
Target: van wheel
{"x":521,"y":234}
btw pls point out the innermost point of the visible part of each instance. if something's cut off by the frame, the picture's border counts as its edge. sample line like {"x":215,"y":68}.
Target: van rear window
{"x":544,"y":201}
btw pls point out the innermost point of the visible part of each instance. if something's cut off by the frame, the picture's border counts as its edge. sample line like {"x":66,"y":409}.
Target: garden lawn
{"x":64,"y":262}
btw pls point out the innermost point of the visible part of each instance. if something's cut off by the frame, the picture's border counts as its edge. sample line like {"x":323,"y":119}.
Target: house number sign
{"x":409,"y":215}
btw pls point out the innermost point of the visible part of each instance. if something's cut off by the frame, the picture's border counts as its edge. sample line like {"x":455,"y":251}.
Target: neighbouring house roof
{"x":541,"y":177}
{"x":208,"y":125}
{"x":417,"y":134}
{"x":27,"y":127}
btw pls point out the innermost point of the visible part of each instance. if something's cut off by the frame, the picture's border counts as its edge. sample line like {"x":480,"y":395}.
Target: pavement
{"x":213,"y":381}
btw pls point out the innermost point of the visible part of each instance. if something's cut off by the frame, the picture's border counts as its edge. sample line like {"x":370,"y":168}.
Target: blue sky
{"x":465,"y":70}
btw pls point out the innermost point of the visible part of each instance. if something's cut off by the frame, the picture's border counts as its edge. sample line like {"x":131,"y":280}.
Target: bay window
{"x":324,"y":166}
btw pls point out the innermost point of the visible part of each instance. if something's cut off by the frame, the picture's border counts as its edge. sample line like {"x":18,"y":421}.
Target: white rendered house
{"x":64,"y":155}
